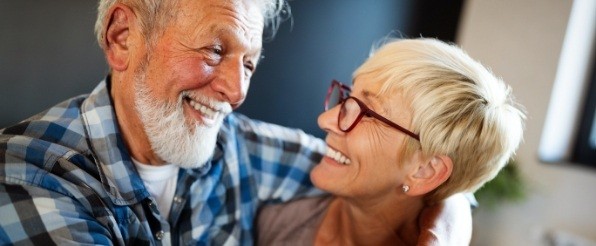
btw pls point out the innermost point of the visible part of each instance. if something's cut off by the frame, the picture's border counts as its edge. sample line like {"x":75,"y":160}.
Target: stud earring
{"x":405,"y":188}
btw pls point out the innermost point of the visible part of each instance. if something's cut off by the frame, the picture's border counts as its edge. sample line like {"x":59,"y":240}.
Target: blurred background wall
{"x":48,"y":53}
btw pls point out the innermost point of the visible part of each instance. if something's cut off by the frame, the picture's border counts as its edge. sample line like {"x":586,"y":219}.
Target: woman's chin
{"x":325,"y":178}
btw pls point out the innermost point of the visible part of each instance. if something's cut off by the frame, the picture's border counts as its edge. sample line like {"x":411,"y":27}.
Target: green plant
{"x":507,"y":186}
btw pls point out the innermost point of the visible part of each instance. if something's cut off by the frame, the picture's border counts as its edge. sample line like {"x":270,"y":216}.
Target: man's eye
{"x":217,"y":50}
{"x":213,"y":54}
{"x":249,"y":69}
{"x":249,"y":66}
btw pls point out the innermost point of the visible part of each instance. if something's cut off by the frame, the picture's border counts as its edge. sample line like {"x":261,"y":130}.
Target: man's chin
{"x":192,"y":151}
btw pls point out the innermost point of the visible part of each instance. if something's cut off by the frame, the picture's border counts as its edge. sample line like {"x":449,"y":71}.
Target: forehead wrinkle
{"x":242,"y":14}
{"x":238,"y":16}
{"x":240,"y":37}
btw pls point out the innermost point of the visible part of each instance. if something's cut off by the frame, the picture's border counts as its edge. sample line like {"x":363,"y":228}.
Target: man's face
{"x":197,"y":72}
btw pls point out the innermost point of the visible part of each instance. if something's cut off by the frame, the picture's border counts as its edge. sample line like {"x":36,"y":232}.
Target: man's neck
{"x":131,"y":127}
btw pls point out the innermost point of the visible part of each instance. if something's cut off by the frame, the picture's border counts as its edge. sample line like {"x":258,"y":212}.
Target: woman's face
{"x":372,"y":147}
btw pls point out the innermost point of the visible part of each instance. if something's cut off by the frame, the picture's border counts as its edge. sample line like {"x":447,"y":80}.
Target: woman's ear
{"x":118,"y":36}
{"x":429,"y":175}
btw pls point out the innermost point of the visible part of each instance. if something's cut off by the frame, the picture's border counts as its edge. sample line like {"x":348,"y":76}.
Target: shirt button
{"x":159,"y":235}
{"x":177,"y":199}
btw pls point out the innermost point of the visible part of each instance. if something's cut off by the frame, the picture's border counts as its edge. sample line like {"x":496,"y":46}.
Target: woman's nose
{"x":328,"y":120}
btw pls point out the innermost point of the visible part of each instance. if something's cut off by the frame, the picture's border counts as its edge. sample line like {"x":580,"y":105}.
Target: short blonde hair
{"x":154,"y":15}
{"x":460,"y":109}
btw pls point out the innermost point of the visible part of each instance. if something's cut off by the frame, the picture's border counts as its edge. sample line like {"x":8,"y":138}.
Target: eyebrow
{"x":224,"y":32}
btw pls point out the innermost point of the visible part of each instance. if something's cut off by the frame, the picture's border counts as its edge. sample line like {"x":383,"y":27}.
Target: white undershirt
{"x":160,"y":181}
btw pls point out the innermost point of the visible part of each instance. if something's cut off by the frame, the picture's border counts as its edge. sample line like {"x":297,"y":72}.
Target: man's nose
{"x":231,"y":83}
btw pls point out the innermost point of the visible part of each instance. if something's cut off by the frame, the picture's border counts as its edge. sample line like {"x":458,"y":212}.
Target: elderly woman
{"x":421,"y":122}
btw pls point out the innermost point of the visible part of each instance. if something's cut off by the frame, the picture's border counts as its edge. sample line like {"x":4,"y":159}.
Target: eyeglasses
{"x":352,"y":109}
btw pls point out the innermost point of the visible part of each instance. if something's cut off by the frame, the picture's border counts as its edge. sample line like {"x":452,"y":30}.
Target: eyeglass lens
{"x":349,"y":113}
{"x":335,"y":97}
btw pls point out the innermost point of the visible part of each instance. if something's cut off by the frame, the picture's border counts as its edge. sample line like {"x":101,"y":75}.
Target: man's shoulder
{"x":54,"y":135}
{"x":60,"y":124}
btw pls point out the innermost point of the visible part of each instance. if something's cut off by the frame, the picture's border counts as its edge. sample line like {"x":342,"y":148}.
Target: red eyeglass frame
{"x":364,"y":110}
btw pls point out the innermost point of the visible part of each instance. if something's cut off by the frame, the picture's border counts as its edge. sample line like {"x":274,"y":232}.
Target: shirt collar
{"x":118,"y":175}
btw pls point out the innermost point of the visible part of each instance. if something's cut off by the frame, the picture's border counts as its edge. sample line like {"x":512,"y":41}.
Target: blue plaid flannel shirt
{"x":67,"y":178}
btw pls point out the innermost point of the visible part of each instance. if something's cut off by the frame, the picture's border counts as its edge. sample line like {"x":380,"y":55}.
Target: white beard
{"x":172,"y":137}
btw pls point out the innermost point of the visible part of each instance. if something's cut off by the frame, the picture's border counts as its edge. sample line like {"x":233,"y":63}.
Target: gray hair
{"x":154,"y":15}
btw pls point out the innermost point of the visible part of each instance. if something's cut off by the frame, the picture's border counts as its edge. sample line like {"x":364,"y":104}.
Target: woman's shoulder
{"x":294,"y":222}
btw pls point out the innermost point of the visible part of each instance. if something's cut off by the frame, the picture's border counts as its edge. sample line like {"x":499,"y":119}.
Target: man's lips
{"x":208,"y":110}
{"x":204,"y":110}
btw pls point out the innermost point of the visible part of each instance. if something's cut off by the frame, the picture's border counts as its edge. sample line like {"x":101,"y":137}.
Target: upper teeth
{"x":210,"y":113}
{"x":337,"y":156}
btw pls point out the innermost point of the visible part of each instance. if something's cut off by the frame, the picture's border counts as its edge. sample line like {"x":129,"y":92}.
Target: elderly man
{"x":154,"y":155}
